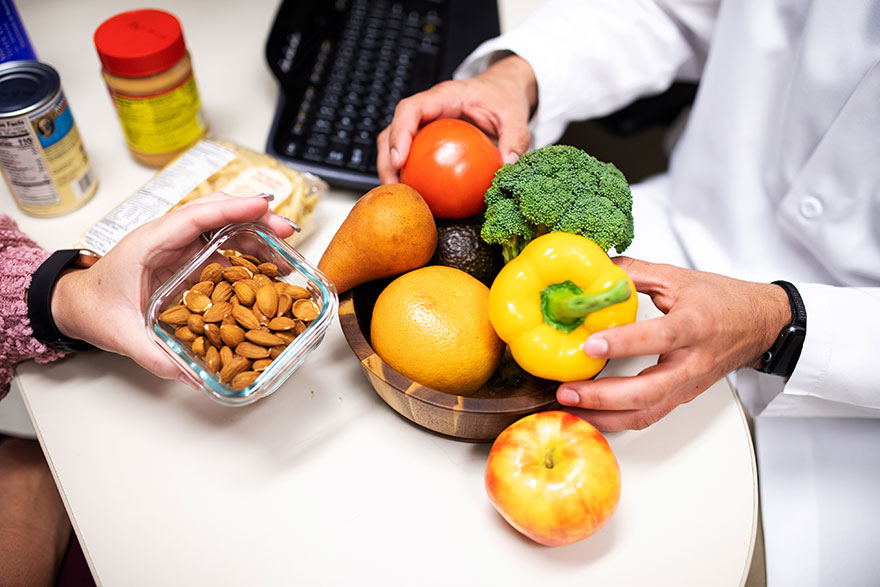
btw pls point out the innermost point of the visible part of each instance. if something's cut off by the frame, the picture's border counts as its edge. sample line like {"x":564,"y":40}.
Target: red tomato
{"x":451,"y":164}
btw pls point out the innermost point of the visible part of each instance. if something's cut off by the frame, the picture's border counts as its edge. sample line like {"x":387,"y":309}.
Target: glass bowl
{"x":260,"y":242}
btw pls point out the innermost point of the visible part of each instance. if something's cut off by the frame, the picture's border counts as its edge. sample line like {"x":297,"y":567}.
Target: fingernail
{"x":567,"y":396}
{"x":293,"y":224}
{"x":187,"y":380}
{"x":395,"y":157}
{"x":596,"y":347}
{"x":511,"y":157}
{"x":267,"y":197}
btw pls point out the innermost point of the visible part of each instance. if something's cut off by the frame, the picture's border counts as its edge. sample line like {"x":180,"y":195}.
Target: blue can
{"x":14,"y":42}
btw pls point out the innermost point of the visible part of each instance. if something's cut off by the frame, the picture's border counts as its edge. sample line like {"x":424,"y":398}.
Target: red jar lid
{"x":140,"y":43}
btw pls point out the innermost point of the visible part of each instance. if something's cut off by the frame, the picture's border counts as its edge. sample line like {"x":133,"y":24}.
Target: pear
{"x":389,"y":231}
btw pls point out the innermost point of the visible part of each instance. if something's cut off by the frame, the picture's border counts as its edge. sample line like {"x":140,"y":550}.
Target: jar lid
{"x":140,"y":43}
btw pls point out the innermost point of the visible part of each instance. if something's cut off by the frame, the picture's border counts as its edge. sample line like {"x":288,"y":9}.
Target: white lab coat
{"x":776,"y":176}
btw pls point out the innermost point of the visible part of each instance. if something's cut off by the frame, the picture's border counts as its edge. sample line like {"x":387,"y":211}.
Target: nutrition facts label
{"x":21,"y":158}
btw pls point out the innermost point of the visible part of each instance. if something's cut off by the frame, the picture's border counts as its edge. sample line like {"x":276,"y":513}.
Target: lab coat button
{"x":811,"y":207}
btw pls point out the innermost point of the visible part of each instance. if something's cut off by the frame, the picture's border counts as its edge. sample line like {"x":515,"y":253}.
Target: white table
{"x":322,"y":483}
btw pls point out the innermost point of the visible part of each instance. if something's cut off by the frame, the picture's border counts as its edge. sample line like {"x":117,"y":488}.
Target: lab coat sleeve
{"x":839,"y":360}
{"x":592,"y":57}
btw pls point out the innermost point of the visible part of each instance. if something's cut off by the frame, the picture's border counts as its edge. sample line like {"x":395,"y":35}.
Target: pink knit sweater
{"x":19,"y":258}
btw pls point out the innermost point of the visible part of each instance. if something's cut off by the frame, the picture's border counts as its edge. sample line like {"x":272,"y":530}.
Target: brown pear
{"x":389,"y":231}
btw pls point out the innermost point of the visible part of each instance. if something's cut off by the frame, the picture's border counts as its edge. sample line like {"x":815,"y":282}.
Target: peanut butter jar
{"x":149,"y":74}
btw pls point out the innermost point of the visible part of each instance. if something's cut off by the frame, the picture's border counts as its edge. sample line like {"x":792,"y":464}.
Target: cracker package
{"x":210,"y":166}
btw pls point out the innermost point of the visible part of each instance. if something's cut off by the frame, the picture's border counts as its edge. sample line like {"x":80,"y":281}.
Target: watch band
{"x":39,"y":298}
{"x":783,"y":356}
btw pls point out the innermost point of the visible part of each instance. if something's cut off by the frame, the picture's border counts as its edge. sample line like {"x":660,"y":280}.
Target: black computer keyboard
{"x":342,"y":66}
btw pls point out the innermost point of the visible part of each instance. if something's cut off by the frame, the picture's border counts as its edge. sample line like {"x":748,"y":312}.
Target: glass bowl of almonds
{"x":243,"y":314}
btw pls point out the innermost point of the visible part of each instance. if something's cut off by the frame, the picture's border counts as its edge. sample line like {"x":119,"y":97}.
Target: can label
{"x":44,"y":161}
{"x":162,"y":122}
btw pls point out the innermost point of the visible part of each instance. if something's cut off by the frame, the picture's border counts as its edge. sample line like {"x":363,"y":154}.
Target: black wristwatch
{"x":785,"y":352}
{"x":39,"y":297}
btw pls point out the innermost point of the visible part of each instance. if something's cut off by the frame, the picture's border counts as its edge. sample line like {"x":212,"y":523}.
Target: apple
{"x":553,"y":477}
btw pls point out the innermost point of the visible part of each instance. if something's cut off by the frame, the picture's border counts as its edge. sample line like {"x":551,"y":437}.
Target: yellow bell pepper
{"x":557,"y":292}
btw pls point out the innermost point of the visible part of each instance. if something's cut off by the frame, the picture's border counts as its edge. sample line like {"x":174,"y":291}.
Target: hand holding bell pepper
{"x":548,"y":300}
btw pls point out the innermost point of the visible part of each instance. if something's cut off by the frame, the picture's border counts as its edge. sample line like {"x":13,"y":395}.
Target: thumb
{"x":513,"y":141}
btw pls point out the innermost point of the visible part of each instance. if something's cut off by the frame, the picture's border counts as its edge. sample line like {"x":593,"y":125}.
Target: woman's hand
{"x":499,"y":101}
{"x":712,"y":326}
{"x":104,"y":305}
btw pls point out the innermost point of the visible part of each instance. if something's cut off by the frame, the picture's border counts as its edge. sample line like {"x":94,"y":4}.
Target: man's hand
{"x":712,"y":326}
{"x":104,"y":305}
{"x":499,"y":101}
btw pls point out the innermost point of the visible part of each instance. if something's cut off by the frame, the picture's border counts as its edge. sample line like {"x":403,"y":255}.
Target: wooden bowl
{"x":479,"y":417}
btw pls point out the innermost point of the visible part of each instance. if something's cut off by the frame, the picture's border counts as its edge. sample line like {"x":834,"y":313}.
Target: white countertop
{"x":322,"y":483}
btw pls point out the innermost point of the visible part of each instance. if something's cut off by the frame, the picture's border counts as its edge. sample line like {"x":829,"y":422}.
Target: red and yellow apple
{"x":553,"y":477}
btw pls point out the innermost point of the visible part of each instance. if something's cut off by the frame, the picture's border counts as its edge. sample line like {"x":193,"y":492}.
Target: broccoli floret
{"x":558,"y":189}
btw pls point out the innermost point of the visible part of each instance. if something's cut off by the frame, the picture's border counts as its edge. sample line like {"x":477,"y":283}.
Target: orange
{"x":432,"y":325}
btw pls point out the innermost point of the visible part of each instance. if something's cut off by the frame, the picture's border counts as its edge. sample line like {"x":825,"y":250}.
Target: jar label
{"x":163,"y":122}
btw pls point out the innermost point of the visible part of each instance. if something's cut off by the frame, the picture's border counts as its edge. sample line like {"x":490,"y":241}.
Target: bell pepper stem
{"x":564,"y":305}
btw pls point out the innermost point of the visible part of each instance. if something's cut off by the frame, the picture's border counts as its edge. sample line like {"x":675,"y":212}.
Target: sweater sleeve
{"x":19,"y":259}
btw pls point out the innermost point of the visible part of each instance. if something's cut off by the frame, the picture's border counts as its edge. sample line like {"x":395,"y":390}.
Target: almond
{"x":200,"y":346}
{"x":175,"y":316}
{"x":287,"y":337}
{"x":245,"y":293}
{"x":300,"y":327}
{"x":275,"y":351}
{"x":185,"y":334}
{"x":229,"y":319}
{"x":245,"y":317}
{"x":305,"y":310}
{"x":212,"y":272}
{"x":196,"y":302}
{"x":263,"y":338}
{"x":236,"y":273}
{"x":249,"y":350}
{"x":212,"y":333}
{"x":217,"y":312}
{"x":268,"y":269}
{"x":232,"y":335}
{"x":196,"y":323}
{"x":222,"y":292}
{"x":267,"y":300}
{"x":282,"y":323}
{"x":251,"y":258}
{"x":262,"y":280}
{"x":284,"y":304}
{"x":212,"y":359}
{"x":243,"y":379}
{"x":261,"y":364}
{"x":204,"y":287}
{"x":226,"y":355}
{"x":233,"y":368}
{"x":294,"y":291}
{"x":243,"y":262}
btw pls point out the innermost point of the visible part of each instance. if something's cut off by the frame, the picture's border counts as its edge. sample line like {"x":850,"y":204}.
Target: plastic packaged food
{"x":149,"y":73}
{"x":241,"y":371}
{"x":209,"y":166}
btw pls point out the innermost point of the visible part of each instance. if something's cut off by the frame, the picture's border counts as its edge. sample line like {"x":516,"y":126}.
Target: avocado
{"x":459,"y":245}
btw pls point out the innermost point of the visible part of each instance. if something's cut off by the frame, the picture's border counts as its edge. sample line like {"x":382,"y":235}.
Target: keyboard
{"x":343,"y":65}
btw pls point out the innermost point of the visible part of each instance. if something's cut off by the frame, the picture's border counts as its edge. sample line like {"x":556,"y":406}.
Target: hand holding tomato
{"x":553,"y":477}
{"x":451,"y":164}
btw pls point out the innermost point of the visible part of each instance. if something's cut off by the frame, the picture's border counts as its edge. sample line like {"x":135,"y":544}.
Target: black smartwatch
{"x":785,"y":352}
{"x":39,"y":297}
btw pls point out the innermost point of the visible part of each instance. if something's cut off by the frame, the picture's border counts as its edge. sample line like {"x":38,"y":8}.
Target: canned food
{"x":41,"y":153}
